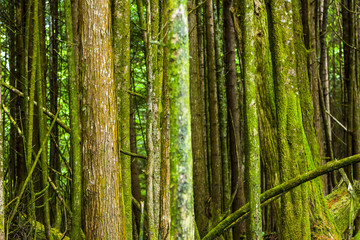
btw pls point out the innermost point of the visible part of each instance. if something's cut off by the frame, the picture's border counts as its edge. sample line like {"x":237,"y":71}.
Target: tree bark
{"x":349,"y":74}
{"x":252,"y":148}
{"x":181,"y":165}
{"x":153,"y":134}
{"x":290,"y":139}
{"x":103,"y":205}
{"x":324,"y":72}
{"x":76,"y":187}
{"x":223,"y":111}
{"x":44,"y":160}
{"x":121,"y":46}
{"x":30,"y":111}
{"x":54,"y":95}
{"x":135,"y":181}
{"x":2,"y":190}
{"x":216,"y":183}
{"x":201,"y":187}
{"x":322,"y":224}
{"x":165,"y":217}
{"x":237,"y":183}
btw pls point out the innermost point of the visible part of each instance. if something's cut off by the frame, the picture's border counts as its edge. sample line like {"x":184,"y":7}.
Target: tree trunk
{"x":30,"y":111}
{"x":223,"y":112}
{"x":201,"y":187}
{"x":181,"y":165}
{"x":349,"y":78}
{"x":252,"y":148}
{"x":103,"y":205}
{"x":153,"y":133}
{"x":324,"y":72}
{"x":165,"y":217}
{"x":322,"y":225}
{"x":135,"y":181}
{"x":13,"y":82}
{"x":293,"y":219}
{"x":121,"y":46}
{"x":23,"y":66}
{"x":2,"y":192}
{"x":76,"y":187}
{"x":54,"y":94}
{"x":310,"y":19}
{"x":216,"y":183}
{"x":237,"y":183}
{"x":44,"y":161}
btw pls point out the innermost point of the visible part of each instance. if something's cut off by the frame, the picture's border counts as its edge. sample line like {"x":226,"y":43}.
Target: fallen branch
{"x":132,"y":154}
{"x":280,"y":189}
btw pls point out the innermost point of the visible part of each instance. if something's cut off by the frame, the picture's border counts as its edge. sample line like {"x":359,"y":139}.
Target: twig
{"x":337,"y":121}
{"x":59,"y":195}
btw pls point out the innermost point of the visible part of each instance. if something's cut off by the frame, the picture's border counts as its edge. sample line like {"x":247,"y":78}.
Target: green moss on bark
{"x":252,"y":145}
{"x":322,"y":222}
{"x":121,"y":44}
{"x":294,"y":220}
{"x":181,"y":178}
{"x":76,"y":187}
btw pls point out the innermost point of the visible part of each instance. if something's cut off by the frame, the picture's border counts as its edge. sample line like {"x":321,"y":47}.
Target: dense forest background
{"x":179,"y":119}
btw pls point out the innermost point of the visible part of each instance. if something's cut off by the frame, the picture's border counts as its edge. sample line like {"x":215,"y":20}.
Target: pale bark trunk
{"x":181,"y":165}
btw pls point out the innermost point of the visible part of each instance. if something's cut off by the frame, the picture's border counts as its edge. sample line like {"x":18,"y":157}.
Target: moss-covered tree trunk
{"x":282,"y":110}
{"x":309,"y":22}
{"x":13,"y":82}
{"x":294,"y":220}
{"x":76,"y":187}
{"x":252,"y":148}
{"x":181,"y":163}
{"x":121,"y":46}
{"x":20,"y":170}
{"x":44,"y":162}
{"x":165,"y":217}
{"x":30,"y":110}
{"x":322,"y":224}
{"x":223,"y":111}
{"x":103,"y":205}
